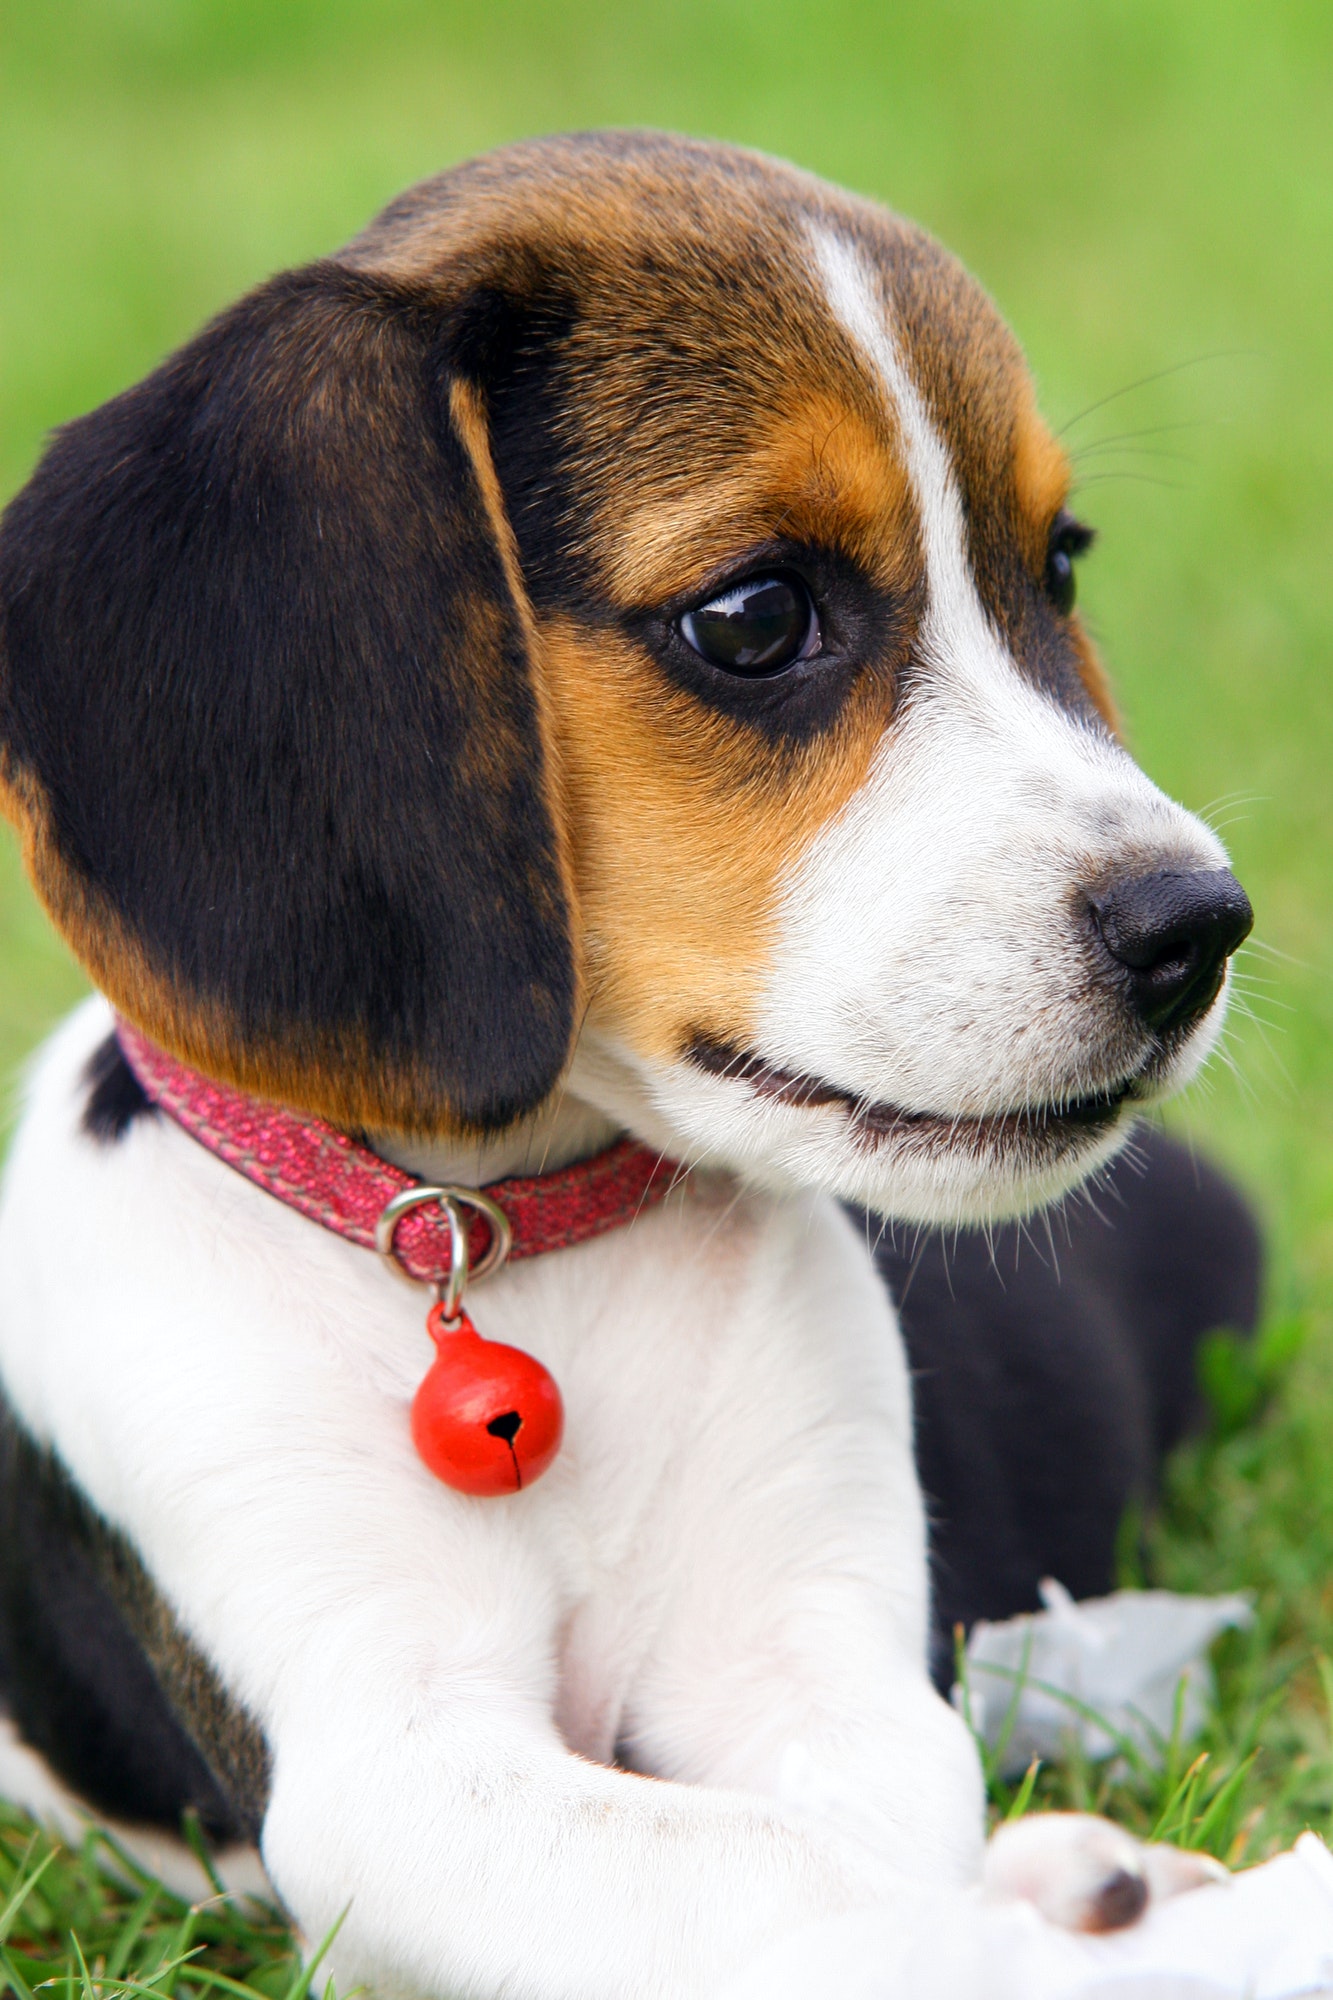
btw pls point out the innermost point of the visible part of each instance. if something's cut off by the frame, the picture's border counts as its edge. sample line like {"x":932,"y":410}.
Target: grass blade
{"x":1022,"y":1798}
{"x":27,"y":1882}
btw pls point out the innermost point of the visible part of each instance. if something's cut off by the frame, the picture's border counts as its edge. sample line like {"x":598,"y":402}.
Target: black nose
{"x":1171,"y":936}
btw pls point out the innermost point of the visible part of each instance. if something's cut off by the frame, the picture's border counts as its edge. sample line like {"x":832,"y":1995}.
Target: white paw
{"x":1084,"y":1874}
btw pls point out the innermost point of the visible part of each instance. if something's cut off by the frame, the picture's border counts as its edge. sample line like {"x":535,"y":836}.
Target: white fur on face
{"x":933,"y":956}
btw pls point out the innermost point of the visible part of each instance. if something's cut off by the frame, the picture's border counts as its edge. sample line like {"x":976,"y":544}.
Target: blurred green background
{"x":1146,"y":188}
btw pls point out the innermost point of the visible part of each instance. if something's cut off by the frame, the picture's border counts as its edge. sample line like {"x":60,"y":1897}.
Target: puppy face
{"x":758,"y":567}
{"x":837,"y":916}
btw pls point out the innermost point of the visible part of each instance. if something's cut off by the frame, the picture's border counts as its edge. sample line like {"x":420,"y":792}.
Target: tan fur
{"x":682,"y":828}
{"x":824,"y":471}
{"x":1040,"y":473}
{"x":683,"y":825}
{"x":675,"y":823}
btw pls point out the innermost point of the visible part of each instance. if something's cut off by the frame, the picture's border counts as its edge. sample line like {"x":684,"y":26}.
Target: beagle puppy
{"x":596,"y":655}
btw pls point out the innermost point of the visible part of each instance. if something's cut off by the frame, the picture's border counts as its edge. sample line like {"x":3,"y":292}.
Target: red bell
{"x":488,"y":1418}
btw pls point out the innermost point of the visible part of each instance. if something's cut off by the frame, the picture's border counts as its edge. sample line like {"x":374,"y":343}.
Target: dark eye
{"x":756,"y":627}
{"x":1069,"y":538}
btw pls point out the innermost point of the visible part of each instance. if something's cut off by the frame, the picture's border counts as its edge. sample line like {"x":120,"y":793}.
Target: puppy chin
{"x":923,"y":1170}
{"x":908,"y":1177}
{"x":970,"y":1185}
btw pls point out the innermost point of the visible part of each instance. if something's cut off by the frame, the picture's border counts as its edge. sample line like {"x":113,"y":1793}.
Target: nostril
{"x":1170,"y":935}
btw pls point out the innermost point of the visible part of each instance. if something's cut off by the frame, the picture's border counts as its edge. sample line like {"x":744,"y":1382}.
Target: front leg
{"x":227,"y":1387}
{"x":788,"y":1657}
{"x":810,"y":1767}
{"x":472,"y":1854}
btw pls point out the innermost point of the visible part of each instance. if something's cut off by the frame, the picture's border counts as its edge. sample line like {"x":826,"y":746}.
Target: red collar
{"x":327,"y":1176}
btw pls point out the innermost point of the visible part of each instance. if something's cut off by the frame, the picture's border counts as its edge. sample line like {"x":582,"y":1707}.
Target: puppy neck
{"x":564,"y":1131}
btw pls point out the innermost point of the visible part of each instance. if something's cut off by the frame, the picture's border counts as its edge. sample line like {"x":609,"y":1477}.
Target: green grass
{"x":90,"y":1921}
{"x":1147,"y":188}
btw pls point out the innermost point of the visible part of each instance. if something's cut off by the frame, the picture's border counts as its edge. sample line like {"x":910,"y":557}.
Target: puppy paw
{"x":1084,"y":1874}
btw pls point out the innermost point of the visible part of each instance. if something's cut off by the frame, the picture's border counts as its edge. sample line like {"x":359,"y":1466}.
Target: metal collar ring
{"x":453,"y":1200}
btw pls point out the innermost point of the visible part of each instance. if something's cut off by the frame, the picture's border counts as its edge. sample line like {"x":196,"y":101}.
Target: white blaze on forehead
{"x":930,"y":950}
{"x":931,"y":947}
{"x":955,"y":621}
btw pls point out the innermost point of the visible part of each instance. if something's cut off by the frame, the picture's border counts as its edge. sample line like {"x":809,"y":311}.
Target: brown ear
{"x":269,"y":724}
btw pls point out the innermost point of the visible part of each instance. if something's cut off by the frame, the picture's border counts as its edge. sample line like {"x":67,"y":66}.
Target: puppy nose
{"x":1171,"y":935}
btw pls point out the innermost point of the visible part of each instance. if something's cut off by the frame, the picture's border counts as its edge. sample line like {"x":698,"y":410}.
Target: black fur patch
{"x":116,"y":1098}
{"x":517,"y":344}
{"x":1048,"y":1387}
{"x":264,"y":665}
{"x":96,"y":1672}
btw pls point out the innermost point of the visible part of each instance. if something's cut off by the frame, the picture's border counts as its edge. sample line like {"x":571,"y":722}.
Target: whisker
{"x":1273,"y":951}
{"x":563,"y":1090}
{"x":1228,"y":799}
{"x":1158,"y":375}
{"x":923,"y":1236}
{"x":1139,"y":478}
{"x":1220,"y":823}
{"x":1130,"y":451}
{"x":1152,"y":430}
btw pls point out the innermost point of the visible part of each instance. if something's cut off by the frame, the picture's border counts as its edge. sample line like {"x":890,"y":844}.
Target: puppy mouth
{"x":1067,"y":1119}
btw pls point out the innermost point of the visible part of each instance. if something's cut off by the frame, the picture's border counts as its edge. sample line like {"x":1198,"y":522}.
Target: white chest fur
{"x":229,"y":1384}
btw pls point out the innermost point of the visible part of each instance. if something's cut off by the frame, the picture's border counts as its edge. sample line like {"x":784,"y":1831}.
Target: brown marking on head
{"x":826,"y":470}
{"x":708,"y":415}
{"x":539,"y":405}
{"x":683,"y":826}
{"x":1013,"y":475}
{"x":1038,"y":477}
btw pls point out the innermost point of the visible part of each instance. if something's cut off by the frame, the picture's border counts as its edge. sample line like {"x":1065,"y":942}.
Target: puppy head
{"x":629,"y":585}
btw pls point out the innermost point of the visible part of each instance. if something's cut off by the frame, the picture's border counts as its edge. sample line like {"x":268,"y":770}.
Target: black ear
{"x":269,"y":722}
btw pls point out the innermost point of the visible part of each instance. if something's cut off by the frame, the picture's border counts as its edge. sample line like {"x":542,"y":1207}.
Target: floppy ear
{"x":269,"y":722}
